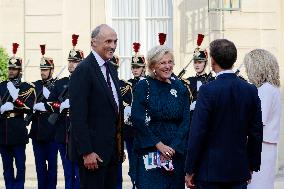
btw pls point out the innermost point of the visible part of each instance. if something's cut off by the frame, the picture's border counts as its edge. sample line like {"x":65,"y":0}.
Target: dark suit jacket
{"x":95,"y":120}
{"x":226,"y":131}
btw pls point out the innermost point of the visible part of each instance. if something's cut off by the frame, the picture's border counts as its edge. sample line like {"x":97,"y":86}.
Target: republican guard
{"x":58,"y":104}
{"x":42,"y":132}
{"x":17,"y":98}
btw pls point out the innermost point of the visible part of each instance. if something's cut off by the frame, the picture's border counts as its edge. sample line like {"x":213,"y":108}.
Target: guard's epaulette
{"x":127,"y":82}
{"x":63,"y":78}
{"x":31,"y":84}
{"x":124,"y":89}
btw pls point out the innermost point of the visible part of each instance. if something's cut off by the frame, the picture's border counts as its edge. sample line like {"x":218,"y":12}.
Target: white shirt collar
{"x":225,"y":71}
{"x":98,"y":58}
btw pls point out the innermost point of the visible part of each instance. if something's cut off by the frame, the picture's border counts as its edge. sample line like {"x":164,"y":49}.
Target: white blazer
{"x":270,"y":98}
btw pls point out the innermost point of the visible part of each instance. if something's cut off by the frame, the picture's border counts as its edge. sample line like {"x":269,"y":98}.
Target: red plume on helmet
{"x":42,"y":49}
{"x":162,"y":38}
{"x":15,"y":48}
{"x":137,"y":59}
{"x":74,"y":40}
{"x":199,"y":39}
{"x":136,"y":47}
{"x":15,"y":62}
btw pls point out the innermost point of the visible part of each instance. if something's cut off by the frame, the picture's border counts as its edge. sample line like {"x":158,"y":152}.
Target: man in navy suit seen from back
{"x":226,"y":131}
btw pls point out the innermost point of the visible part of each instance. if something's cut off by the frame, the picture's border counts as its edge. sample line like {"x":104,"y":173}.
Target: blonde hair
{"x":262,"y":66}
{"x":155,"y":55}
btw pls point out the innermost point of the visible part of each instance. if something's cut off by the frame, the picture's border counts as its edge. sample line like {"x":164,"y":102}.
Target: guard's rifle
{"x":24,"y":70}
{"x":5,"y":98}
{"x":40,"y":97}
{"x":237,"y":72}
{"x":180,"y":75}
{"x":54,"y":116}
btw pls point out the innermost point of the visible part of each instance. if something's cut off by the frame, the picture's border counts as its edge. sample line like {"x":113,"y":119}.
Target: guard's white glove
{"x":192,"y":105}
{"x":14,"y":92}
{"x":64,"y":105}
{"x":39,"y":107}
{"x":127,"y":114}
{"x":8,"y":106}
{"x":45,"y":92}
{"x":198,"y":85}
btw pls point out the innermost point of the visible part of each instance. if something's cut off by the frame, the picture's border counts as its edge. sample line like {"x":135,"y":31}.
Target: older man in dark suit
{"x":96,"y":114}
{"x":226,"y":131}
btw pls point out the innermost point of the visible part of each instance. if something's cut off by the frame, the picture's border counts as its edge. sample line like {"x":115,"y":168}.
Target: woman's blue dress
{"x":168,"y":108}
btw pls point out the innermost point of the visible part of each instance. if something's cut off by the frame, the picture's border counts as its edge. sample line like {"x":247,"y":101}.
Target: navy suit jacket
{"x":225,"y":137}
{"x":95,"y":120}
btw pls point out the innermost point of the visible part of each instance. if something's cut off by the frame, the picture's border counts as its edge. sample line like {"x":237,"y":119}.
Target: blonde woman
{"x":263,"y":71}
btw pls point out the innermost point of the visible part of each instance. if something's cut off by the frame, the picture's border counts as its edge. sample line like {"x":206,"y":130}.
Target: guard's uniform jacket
{"x":57,"y":96}
{"x":193,"y":84}
{"x":41,"y":129}
{"x":127,"y":96}
{"x":126,"y":92}
{"x":13,"y":130}
{"x":196,"y":81}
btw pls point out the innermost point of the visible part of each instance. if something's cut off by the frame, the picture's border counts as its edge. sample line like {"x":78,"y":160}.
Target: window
{"x":225,"y":5}
{"x":139,"y":21}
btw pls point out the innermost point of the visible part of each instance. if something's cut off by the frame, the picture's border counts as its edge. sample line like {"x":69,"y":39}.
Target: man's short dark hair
{"x":224,"y":52}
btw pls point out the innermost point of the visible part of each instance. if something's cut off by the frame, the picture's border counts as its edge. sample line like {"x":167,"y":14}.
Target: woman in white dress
{"x":263,"y":71}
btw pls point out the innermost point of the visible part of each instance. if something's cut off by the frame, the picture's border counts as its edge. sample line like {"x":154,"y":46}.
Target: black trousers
{"x":105,"y":177}
{"x":220,"y":185}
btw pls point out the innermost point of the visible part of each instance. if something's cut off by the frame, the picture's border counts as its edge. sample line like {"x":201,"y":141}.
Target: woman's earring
{"x":154,"y":71}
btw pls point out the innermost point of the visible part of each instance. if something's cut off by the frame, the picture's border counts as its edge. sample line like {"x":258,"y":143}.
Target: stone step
{"x":31,"y":178}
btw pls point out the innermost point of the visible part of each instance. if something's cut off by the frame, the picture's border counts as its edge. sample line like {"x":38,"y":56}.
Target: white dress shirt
{"x":270,"y":98}
{"x":101,"y":63}
{"x":225,"y":71}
